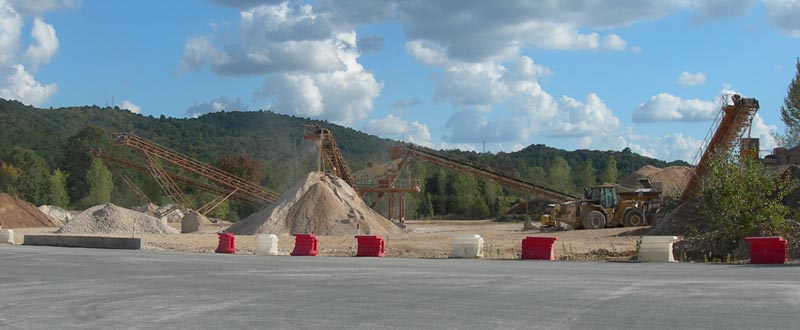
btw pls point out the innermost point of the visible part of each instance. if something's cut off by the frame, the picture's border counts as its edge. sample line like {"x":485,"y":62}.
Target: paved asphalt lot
{"x":70,"y":288}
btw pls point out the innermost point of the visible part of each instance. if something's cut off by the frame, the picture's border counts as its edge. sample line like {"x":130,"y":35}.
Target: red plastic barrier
{"x":305,"y":245}
{"x":371,"y":246}
{"x":226,"y":243}
{"x":768,"y":250}
{"x":538,"y":248}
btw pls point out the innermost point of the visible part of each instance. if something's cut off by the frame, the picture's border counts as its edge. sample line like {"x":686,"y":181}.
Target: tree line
{"x":44,"y":154}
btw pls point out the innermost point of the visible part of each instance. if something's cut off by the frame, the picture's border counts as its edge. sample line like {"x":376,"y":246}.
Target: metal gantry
{"x":225,"y":185}
{"x":502,"y":179}
{"x":737,"y":117}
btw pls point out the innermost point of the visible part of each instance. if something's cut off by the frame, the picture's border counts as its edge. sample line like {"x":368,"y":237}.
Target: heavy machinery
{"x":603,"y":206}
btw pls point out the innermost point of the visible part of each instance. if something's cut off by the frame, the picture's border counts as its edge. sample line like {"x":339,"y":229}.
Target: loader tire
{"x":633,"y":218}
{"x":594,"y":220}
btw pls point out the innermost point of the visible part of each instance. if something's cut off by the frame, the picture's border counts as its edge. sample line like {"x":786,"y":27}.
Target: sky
{"x":471,"y":74}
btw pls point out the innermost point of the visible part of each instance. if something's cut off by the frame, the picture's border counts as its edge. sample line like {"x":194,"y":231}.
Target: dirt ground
{"x":426,"y":239}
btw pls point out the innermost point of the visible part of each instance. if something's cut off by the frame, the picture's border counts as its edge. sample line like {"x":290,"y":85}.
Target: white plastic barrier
{"x":657,"y":248}
{"x":6,"y":236}
{"x":467,"y":246}
{"x":266,"y":245}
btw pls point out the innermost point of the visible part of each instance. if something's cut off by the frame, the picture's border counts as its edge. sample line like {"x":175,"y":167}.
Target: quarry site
{"x":607,"y":223}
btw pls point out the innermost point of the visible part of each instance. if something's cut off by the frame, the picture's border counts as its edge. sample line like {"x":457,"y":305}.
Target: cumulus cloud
{"x":763,"y":131}
{"x":45,"y":45}
{"x":783,"y":15}
{"x":308,"y":56}
{"x":395,"y":127}
{"x":130,"y":106}
{"x":583,"y":119}
{"x":215,"y":105}
{"x":38,"y":7}
{"x":668,"y":107}
{"x":691,"y":79}
{"x":18,"y":84}
{"x":16,"y":80}
{"x":717,"y":9}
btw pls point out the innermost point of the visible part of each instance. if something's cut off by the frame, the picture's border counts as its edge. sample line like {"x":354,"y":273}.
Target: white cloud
{"x":584,"y":119}
{"x":309,"y":58}
{"x":130,"y":106}
{"x":478,"y":30}
{"x":215,"y":105}
{"x":18,"y":84}
{"x":691,"y":79}
{"x":16,"y":81}
{"x":10,"y":29}
{"x":668,"y":107}
{"x":763,"y":132}
{"x":395,"y":127}
{"x":46,"y":44}
{"x":783,"y":15}
{"x":38,"y":7}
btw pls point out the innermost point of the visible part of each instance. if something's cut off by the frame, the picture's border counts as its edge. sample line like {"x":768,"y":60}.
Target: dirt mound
{"x":672,"y":179}
{"x":17,"y":213}
{"x":112,"y":219}
{"x":320,"y":204}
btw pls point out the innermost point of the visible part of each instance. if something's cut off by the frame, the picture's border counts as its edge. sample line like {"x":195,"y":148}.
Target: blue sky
{"x":649,"y":75}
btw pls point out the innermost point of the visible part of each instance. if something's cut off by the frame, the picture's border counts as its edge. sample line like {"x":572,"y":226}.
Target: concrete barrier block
{"x":84,"y":241}
{"x":6,"y":236}
{"x":467,"y":246}
{"x":657,"y":248}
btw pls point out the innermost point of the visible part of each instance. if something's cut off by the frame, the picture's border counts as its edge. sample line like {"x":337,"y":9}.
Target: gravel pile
{"x":58,"y":214}
{"x":320,"y":204}
{"x":672,"y":178}
{"x":112,"y":219}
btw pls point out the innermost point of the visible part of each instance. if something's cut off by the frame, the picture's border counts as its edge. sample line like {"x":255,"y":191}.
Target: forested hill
{"x":276,"y":141}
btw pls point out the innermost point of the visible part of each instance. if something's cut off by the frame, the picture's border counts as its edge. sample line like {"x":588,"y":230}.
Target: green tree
{"x":585,"y":174}
{"x":77,"y":160}
{"x":610,"y":172}
{"x":558,"y":175}
{"x":8,"y":178}
{"x":740,"y":198}
{"x":57,"y":193}
{"x":790,"y":112}
{"x":33,"y":182}
{"x":98,"y":178}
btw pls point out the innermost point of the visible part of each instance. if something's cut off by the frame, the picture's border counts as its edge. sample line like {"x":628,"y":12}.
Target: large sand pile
{"x":320,"y":204}
{"x":112,"y":219}
{"x":672,"y":178}
{"x":17,"y":213}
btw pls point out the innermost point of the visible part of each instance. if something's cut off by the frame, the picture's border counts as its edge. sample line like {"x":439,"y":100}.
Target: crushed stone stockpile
{"x":319,"y":204}
{"x":672,"y":178}
{"x":17,"y":213}
{"x":112,"y":219}
{"x":59,"y":214}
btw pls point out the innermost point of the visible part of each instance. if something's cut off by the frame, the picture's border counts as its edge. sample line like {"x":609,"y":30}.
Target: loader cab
{"x":604,"y":195}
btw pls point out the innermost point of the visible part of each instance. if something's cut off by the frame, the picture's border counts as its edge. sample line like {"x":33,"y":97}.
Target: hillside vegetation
{"x":44,"y":151}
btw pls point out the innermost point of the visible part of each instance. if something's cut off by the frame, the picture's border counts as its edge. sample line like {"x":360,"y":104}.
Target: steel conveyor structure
{"x":226,"y":183}
{"x":737,"y":117}
{"x":501,"y":179}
